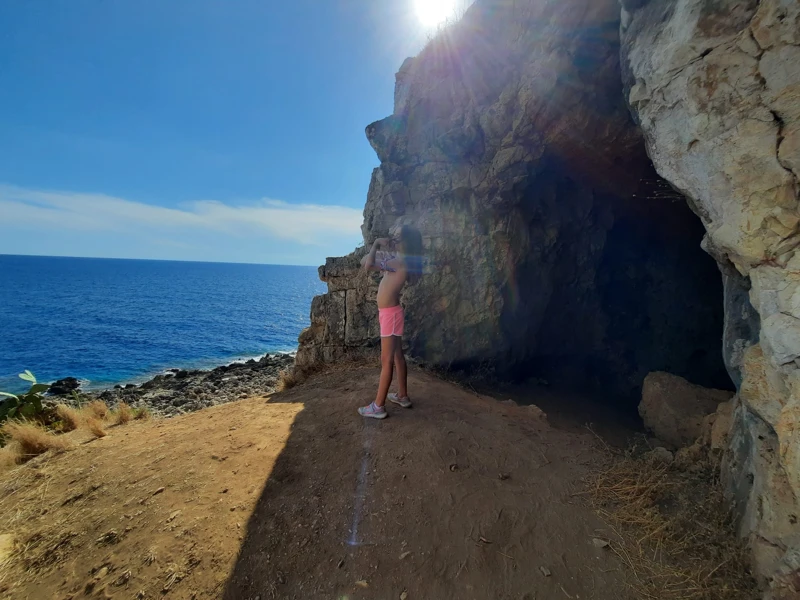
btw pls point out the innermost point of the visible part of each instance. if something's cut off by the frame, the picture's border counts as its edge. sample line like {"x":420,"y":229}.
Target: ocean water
{"x":109,"y":321}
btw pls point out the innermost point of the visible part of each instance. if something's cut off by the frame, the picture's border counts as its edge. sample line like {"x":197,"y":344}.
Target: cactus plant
{"x":25,"y":405}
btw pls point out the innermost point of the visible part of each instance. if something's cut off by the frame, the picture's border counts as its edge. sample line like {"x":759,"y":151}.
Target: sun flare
{"x":434,"y":12}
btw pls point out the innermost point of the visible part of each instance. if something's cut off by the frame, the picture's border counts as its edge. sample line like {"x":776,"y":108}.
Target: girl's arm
{"x":368,"y":262}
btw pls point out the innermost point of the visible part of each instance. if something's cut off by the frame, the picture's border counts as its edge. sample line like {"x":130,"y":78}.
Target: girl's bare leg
{"x":401,"y":367}
{"x":387,"y":360}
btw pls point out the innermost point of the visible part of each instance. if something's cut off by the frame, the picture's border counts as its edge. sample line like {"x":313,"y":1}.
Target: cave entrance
{"x":622,"y":290}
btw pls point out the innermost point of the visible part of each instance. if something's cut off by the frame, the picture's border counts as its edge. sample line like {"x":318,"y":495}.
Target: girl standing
{"x":399,"y":258}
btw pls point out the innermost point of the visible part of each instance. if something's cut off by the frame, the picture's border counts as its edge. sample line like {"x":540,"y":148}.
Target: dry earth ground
{"x":295,"y":496}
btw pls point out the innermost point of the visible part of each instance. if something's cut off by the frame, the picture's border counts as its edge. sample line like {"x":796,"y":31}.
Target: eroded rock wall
{"x":550,"y":249}
{"x":715,"y":86}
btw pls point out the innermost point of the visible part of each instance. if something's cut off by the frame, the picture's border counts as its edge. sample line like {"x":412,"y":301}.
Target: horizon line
{"x":209,"y":262}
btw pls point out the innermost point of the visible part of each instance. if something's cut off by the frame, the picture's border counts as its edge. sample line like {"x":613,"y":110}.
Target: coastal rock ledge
{"x":180,"y":391}
{"x":521,"y":146}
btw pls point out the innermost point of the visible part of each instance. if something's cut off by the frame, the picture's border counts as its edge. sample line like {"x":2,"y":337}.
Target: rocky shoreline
{"x":180,"y":391}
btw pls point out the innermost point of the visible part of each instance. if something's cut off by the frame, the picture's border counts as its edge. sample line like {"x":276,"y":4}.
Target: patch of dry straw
{"x":71,"y":419}
{"x":294,"y":376}
{"x":123,"y":414}
{"x":672,"y":531}
{"x":95,"y":426}
{"x":287,"y":380}
{"x":32,"y":439}
{"x":9,"y":457}
{"x":97,"y":409}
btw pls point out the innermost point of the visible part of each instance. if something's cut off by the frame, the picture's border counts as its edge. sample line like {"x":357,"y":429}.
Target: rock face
{"x":715,"y":87}
{"x":551,"y":243}
{"x":344,"y":322}
{"x":554,"y":250}
{"x":675,"y":410}
{"x":63,"y":387}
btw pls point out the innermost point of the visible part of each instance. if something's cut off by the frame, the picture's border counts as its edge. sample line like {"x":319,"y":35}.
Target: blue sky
{"x":223,"y":130}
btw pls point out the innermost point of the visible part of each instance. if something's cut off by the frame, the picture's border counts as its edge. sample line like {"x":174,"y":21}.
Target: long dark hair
{"x":411,"y":239}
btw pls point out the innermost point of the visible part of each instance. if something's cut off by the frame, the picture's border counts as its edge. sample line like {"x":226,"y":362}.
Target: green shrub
{"x":26,"y":405}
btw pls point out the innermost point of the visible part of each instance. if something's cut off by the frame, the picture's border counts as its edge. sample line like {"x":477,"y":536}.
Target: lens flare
{"x":433,"y":12}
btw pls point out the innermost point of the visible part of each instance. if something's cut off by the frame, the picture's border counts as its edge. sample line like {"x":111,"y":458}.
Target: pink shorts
{"x":391,"y":320}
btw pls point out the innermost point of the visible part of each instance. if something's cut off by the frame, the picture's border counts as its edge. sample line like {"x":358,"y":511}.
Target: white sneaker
{"x":404,"y":401}
{"x":371,"y":411}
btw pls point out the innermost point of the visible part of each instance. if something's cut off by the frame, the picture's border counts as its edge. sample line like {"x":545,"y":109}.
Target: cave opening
{"x":623,"y":289}
{"x":558,"y":254}
{"x":584,"y":268}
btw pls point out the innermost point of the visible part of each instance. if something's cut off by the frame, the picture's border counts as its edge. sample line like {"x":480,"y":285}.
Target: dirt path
{"x":296,"y":497}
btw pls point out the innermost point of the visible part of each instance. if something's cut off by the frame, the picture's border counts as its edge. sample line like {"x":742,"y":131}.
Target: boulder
{"x":537,"y":412}
{"x":674,"y":409}
{"x":689,"y":457}
{"x":65,"y":386}
{"x":721,"y":426}
{"x":659,"y":455}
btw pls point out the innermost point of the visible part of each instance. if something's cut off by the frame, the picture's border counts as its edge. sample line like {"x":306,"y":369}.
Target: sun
{"x":433,"y":12}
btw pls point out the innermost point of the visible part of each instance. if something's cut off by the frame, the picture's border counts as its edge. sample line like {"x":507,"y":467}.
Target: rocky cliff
{"x":715,"y":87}
{"x":553,"y":248}
{"x":521,"y":146}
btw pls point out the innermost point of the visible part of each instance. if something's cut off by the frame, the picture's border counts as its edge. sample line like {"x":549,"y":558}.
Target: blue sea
{"x":108,"y":321}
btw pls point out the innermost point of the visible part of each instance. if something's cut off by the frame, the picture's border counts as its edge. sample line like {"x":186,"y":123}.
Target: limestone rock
{"x":742,"y":322}
{"x":762,"y":388}
{"x":537,"y":412}
{"x":716,"y":427}
{"x":721,"y":426}
{"x":762,"y":496}
{"x":659,"y":455}
{"x":715,"y":87}
{"x":686,"y":458}
{"x":785,"y":585}
{"x":674,"y":409}
{"x":548,"y":245}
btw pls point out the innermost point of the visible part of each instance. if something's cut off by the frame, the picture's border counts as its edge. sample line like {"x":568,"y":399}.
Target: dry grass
{"x":287,"y":379}
{"x":123,"y":414}
{"x":95,"y":426}
{"x":673,"y":532}
{"x":10,"y":456}
{"x":32,"y":439}
{"x":294,"y":376}
{"x":97,"y":409}
{"x":142,"y":414}
{"x":70,"y":418}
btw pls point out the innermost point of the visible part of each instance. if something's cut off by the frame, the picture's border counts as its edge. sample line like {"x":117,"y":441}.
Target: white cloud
{"x":303,"y":223}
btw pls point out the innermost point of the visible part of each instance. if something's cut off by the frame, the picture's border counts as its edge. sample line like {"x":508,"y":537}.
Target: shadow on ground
{"x":459,"y":497}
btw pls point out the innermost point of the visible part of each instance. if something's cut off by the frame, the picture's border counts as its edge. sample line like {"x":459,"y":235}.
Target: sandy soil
{"x":294,"y":496}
